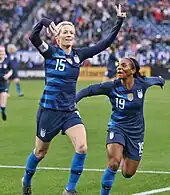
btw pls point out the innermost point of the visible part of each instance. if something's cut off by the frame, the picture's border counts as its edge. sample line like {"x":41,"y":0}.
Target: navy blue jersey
{"x":62,"y":70}
{"x":127,"y":105}
{"x":111,"y":62}
{"x":5,"y":67}
{"x":13,"y":61}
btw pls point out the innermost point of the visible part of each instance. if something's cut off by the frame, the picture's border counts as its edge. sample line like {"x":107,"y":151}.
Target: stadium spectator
{"x":12,"y":15}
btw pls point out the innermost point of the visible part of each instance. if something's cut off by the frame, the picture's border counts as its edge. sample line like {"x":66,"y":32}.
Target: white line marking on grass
{"x":153,"y":191}
{"x":90,"y":170}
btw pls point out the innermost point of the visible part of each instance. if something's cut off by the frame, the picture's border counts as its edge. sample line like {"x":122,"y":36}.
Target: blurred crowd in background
{"x":146,"y":31}
{"x":12,"y":13}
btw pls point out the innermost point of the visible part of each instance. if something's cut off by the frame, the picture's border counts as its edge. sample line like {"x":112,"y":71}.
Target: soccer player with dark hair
{"x":57,"y":105}
{"x":11,"y":49}
{"x":125,"y":138}
{"x":5,"y":73}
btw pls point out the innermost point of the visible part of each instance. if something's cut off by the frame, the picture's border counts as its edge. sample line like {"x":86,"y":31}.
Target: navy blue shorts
{"x":133,"y":148}
{"x":14,"y":75}
{"x":3,"y":87}
{"x":51,"y":122}
{"x":110,"y":74}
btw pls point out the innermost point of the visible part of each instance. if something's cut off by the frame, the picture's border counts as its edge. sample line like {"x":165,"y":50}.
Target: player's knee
{"x":114,"y":164}
{"x":82,"y":149}
{"x":127,"y":175}
{"x":16,"y":80}
{"x":40,"y":153}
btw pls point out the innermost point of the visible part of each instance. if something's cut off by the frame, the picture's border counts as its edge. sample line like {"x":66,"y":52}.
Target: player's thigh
{"x":16,"y":80}
{"x":77,"y":135}
{"x":129,"y":167}
{"x":115,"y":151}
{"x":115,"y":146}
{"x":75,"y":130}
{"x":115,"y":143}
{"x":41,"y":147}
{"x":4,"y":97}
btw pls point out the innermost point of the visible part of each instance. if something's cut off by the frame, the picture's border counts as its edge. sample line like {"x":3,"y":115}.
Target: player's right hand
{"x":119,"y":11}
{"x":6,"y":77}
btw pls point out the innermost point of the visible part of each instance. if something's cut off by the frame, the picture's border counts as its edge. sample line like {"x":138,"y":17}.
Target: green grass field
{"x":17,"y":137}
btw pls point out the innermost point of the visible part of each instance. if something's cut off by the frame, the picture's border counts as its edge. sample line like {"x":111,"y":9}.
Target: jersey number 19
{"x":60,"y":64}
{"x":120,"y":103}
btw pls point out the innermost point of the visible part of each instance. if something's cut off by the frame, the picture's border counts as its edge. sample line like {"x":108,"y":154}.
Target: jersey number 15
{"x":60,"y":64}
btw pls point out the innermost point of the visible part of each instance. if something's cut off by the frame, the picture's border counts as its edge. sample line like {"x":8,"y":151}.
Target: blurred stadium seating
{"x":145,"y":34}
{"x":12,"y":14}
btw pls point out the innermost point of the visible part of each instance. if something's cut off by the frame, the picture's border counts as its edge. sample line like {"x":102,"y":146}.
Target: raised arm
{"x":154,"y":81}
{"x":35,"y":35}
{"x":96,"y":89}
{"x":89,"y":52}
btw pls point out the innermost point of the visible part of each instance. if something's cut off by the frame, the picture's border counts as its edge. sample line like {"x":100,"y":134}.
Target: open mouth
{"x":119,"y":72}
{"x":68,"y":39}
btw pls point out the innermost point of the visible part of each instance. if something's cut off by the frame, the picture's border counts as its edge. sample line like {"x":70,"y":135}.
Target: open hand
{"x":52,"y":29}
{"x":6,"y":77}
{"x":119,"y":11}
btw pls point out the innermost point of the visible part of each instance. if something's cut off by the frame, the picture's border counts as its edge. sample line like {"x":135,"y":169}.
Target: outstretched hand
{"x":119,"y":11}
{"x":163,"y":82}
{"x":52,"y":29}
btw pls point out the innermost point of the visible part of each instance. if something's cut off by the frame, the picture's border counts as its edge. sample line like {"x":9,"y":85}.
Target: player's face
{"x":2,"y":53}
{"x":125,"y":69}
{"x":12,"y":51}
{"x":66,"y":36}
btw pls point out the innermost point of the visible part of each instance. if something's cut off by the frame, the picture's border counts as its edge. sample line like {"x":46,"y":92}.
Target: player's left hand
{"x":119,"y":11}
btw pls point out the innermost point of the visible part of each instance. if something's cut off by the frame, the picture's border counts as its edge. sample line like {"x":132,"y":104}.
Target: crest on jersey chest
{"x":76,"y":59}
{"x":140,"y":93}
{"x":130,"y":96}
